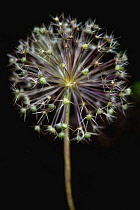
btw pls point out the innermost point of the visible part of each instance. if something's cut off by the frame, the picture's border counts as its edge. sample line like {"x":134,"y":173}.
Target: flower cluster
{"x":69,"y":63}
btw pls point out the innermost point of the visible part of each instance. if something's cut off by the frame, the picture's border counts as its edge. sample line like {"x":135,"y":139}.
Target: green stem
{"x":67,"y":156}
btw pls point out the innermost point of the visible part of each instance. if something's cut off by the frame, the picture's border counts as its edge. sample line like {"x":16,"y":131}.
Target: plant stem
{"x":67,"y":156}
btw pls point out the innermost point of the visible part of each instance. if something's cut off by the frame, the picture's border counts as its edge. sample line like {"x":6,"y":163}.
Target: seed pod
{"x":43,"y":81}
{"x":61,"y":135}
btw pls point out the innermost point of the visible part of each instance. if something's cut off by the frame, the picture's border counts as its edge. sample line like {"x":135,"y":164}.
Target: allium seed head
{"x":69,"y":57}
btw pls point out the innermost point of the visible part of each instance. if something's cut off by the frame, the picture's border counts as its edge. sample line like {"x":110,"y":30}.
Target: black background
{"x":105,"y":173}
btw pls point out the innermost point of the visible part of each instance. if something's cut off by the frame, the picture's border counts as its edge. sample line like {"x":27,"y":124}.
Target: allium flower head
{"x":69,"y":63}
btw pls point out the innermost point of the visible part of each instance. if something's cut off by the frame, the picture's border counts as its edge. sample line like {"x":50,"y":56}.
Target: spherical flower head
{"x":69,"y":64}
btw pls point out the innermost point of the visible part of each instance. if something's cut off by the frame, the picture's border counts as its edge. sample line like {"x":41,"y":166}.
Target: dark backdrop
{"x":105,"y":173}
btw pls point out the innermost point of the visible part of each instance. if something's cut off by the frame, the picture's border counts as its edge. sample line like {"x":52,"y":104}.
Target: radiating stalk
{"x":67,"y":161}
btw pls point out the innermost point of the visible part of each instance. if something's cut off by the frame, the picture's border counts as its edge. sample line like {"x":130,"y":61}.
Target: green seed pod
{"x":121,"y":94}
{"x":61,"y":135}
{"x":110,"y":111}
{"x":109,"y":104}
{"x":66,"y":101}
{"x":85,"y":46}
{"x":128,"y":91}
{"x":85,"y":72}
{"x":87,"y":135}
{"x":119,"y":67}
{"x":51,"y":129}
{"x":42,"y":30}
{"x":12,"y":60}
{"x":43,"y":81}
{"x":124,"y":106}
{"x":23,"y":110}
{"x":49,"y":52}
{"x":23,"y":60}
{"x":99,"y":111}
{"x":88,"y":31}
{"x":37,"y":128}
{"x":24,"y":73}
{"x":16,"y":92}
{"x":96,"y":27}
{"x":33,"y":108}
{"x":36,"y":30}
{"x":89,"y":116}
{"x":26,"y":100}
{"x":124,"y":57}
{"x":20,"y":48}
{"x":78,"y":138}
{"x":64,"y":125}
{"x":58,"y":126}
{"x":51,"y":106}
{"x":63,"y":65}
